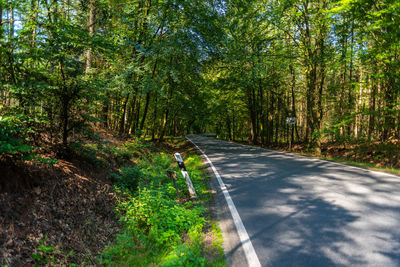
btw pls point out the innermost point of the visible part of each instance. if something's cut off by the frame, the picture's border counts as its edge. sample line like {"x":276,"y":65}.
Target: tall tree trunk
{"x":65,"y":122}
{"x":389,"y":99}
{"x":372,"y":107}
{"x":271,"y":116}
{"x":357,"y":126}
{"x":137,"y":115}
{"x":123,"y":116}
{"x":228,"y":125}
{"x":350,"y":87}
{"x":166,"y":110}
{"x":234,"y":135}
{"x":294,"y":114}
{"x":148,"y":95}
{"x":104,"y":112}
{"x":35,"y":7}
{"x":153,"y":130}
{"x":12,"y":23}
{"x":1,"y":21}
{"x":133,"y":111}
{"x":262,"y":112}
{"x":252,"y":115}
{"x":89,"y":53}
{"x":321,"y":44}
{"x":146,"y":107}
{"x":165,"y":120}
{"x":11,"y":51}
{"x":277,"y":122}
{"x":4,"y":92}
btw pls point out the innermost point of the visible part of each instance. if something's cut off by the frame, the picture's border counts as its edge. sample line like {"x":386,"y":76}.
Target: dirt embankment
{"x":55,"y":215}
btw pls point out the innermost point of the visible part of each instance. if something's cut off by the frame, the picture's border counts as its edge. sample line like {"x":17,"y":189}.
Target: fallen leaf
{"x":37,"y":190}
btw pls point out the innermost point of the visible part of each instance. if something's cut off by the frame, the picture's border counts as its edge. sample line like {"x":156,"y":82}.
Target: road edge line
{"x":251,"y":256}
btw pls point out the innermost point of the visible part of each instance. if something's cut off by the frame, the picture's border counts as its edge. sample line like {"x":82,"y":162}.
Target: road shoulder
{"x":235,"y":255}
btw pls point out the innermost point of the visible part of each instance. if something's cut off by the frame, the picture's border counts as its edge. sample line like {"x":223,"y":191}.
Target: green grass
{"x":157,"y":228}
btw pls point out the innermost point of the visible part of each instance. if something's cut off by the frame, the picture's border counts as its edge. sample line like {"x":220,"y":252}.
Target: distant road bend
{"x":300,"y":211}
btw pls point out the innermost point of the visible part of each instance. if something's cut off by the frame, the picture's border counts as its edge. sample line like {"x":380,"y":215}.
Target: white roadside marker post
{"x":185,"y":174}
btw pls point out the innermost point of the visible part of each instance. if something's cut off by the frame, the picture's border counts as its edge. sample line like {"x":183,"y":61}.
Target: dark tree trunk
{"x":166,"y":112}
{"x":234,"y":134}
{"x":122,"y":119}
{"x":153,"y":130}
{"x":252,"y":114}
{"x":372,"y":107}
{"x":65,"y":122}
{"x":146,"y":107}
{"x":262,"y":113}
{"x":228,"y":125}
{"x":271,"y":117}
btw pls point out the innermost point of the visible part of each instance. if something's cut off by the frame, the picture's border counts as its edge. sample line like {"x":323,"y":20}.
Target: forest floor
{"x":380,"y":156}
{"x":63,"y":214}
{"x":55,"y":214}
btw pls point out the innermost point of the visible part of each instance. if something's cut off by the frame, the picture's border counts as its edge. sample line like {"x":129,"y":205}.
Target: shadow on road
{"x":307,"y":212}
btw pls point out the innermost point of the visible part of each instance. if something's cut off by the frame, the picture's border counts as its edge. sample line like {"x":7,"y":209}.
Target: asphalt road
{"x":301,"y":211}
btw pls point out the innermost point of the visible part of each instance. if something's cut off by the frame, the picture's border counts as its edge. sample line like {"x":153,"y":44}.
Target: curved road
{"x":301,"y":211}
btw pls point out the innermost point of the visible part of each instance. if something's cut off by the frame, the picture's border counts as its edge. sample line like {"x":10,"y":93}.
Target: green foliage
{"x":127,"y":177}
{"x":132,"y":148}
{"x":49,"y":255}
{"x":45,"y":255}
{"x":45,"y":161}
{"x":158,"y":229}
{"x":158,"y":220}
{"x":155,"y":166}
{"x":189,"y":253}
{"x":100,"y":154}
{"x":14,"y":141}
{"x":90,"y":153}
{"x":12,"y":130}
{"x":235,"y":68}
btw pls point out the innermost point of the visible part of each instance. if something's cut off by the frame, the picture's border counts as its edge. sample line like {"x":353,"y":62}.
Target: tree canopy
{"x":172,"y":67}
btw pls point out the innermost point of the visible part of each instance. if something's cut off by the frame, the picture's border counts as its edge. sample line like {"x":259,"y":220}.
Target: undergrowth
{"x":158,"y":228}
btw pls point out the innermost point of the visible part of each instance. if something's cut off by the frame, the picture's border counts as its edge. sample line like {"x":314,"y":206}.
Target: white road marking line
{"x":248,"y":248}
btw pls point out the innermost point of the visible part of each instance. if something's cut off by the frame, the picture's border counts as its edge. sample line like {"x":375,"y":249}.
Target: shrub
{"x":127,"y":177}
{"x":11,"y":142}
{"x":89,"y":153}
{"x":158,"y":230}
{"x":156,"y":219}
{"x":14,"y":143}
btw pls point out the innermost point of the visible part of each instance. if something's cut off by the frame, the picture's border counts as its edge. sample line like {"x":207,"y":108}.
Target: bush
{"x":11,"y":142}
{"x":127,"y":178}
{"x":89,"y":153}
{"x":155,"y":227}
{"x":158,"y":230}
{"x":158,"y":220}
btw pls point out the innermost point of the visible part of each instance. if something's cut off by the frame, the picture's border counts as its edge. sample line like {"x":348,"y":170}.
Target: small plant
{"x":45,"y":254}
{"x":50,"y":256}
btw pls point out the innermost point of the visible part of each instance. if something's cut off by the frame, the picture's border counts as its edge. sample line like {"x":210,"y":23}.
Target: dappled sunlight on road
{"x":308,"y":212}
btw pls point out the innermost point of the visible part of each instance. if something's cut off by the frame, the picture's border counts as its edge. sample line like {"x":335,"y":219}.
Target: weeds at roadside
{"x":49,"y":255}
{"x":158,"y":228}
